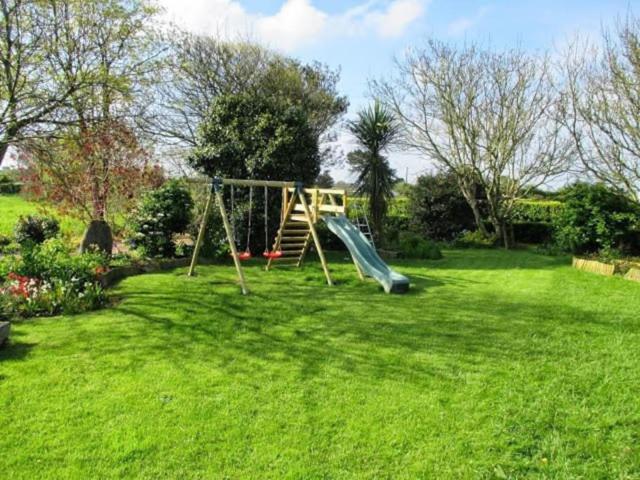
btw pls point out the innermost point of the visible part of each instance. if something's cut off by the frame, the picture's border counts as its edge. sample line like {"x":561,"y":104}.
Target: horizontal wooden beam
{"x":322,"y":191}
{"x":258,"y":183}
{"x":248,"y":183}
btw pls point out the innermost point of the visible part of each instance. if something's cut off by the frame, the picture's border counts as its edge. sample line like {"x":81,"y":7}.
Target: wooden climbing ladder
{"x":295,"y":235}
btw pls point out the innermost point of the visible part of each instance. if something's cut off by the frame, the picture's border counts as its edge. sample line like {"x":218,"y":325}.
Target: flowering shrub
{"x":35,"y":229}
{"x":47,"y":280}
{"x":161,"y":214}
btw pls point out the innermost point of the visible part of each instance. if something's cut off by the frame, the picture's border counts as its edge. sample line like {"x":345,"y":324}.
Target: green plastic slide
{"x":366,"y":256}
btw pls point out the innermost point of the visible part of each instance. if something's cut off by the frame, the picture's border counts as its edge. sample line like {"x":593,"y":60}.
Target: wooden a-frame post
{"x":216,"y":189}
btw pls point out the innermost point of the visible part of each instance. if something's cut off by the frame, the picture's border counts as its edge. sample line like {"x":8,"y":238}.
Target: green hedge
{"x":536,"y":211}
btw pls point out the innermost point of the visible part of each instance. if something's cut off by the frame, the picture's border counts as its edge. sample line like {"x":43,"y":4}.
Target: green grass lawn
{"x":496,"y":365}
{"x":12,"y":207}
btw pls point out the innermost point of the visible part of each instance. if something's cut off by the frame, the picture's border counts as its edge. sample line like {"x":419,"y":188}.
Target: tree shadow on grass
{"x":349,"y":331}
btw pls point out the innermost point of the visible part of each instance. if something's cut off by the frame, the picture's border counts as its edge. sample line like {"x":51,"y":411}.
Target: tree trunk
{"x":98,"y":235}
{"x":502,"y":232}
{"x":470,"y":197}
{"x":478,"y":219}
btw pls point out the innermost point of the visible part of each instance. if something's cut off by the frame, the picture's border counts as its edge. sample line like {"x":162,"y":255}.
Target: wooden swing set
{"x":300,"y":211}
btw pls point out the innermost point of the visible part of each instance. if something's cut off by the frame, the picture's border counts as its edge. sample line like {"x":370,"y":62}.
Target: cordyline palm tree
{"x":374,"y":129}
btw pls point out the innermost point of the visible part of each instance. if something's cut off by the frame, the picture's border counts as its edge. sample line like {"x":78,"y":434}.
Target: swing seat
{"x":274,"y":254}
{"x":246,"y":255}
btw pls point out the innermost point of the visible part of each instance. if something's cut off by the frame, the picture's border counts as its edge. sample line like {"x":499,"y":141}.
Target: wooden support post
{"x":201,"y":231}
{"x":314,"y":233}
{"x":285,"y":202}
{"x":232,"y":241}
{"x":314,"y":203}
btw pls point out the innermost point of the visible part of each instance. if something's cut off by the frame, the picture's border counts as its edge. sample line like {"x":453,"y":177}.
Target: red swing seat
{"x":246,"y":255}
{"x":272,"y":254}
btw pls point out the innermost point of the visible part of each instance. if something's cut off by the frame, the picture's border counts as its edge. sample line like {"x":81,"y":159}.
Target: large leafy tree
{"x":201,"y":69}
{"x":104,"y":54}
{"x":98,"y":173}
{"x":31,"y":91}
{"x":251,"y":136}
{"x":374,"y":129}
{"x":263,"y":137}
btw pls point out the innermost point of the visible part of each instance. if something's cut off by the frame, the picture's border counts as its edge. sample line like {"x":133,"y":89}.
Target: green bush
{"x":393,"y":226}
{"x":533,"y":232}
{"x":35,"y":229}
{"x":5,"y":243}
{"x":437,"y":209}
{"x":412,"y":245}
{"x":215,"y":244}
{"x":596,"y":218}
{"x":162,"y":213}
{"x":8,"y":186}
{"x":474,"y":239}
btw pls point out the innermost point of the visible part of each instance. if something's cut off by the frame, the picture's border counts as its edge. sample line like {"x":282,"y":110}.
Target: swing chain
{"x":247,"y":248}
{"x":233,"y":216}
{"x":266,"y":219}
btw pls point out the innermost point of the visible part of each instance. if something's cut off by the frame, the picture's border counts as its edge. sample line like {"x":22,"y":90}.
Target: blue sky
{"x":361,"y":37}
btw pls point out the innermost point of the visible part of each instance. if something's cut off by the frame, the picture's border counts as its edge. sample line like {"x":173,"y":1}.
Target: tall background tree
{"x":32,"y":91}
{"x":603,"y":111}
{"x":96,"y":143}
{"x":254,"y":136}
{"x":490,"y":118}
{"x":374,"y":129}
{"x":198,"y":70}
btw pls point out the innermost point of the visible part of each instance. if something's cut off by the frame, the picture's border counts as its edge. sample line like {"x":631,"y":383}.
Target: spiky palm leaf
{"x":374,"y":129}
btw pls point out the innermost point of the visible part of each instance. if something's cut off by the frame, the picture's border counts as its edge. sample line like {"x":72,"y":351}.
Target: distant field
{"x":13,"y":207}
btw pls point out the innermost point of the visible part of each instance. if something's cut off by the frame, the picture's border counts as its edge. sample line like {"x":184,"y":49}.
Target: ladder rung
{"x":291,"y":253}
{"x":297,"y":224}
{"x":288,"y":246}
{"x":299,"y":218}
{"x":290,"y":239}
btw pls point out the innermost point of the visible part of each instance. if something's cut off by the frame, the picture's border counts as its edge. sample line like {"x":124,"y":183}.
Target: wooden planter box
{"x":594,"y":266}
{"x":633,"y":274}
{"x":609,"y":269}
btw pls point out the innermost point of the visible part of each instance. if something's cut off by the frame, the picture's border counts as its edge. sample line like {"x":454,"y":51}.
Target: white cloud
{"x":297,"y":23}
{"x":398,"y":16}
{"x":462,"y":24}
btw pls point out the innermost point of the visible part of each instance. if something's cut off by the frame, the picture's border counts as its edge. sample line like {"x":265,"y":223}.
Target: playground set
{"x":301,"y":210}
